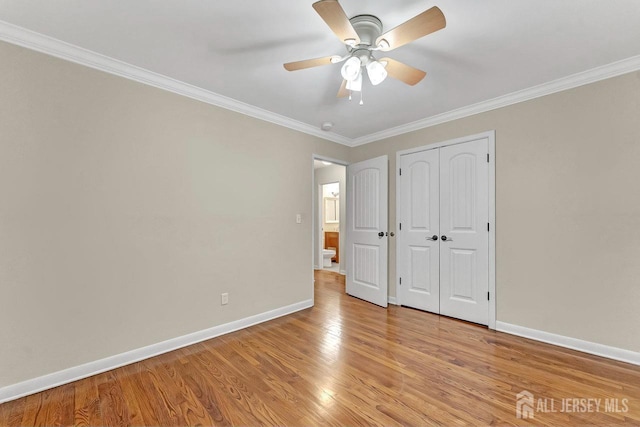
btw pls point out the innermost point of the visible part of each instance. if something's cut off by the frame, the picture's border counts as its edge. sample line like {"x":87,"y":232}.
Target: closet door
{"x":418,"y":241}
{"x":464,"y":241}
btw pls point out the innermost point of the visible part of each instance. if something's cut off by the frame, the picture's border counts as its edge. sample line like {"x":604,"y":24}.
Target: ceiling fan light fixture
{"x":355,"y":85}
{"x":377,"y":73}
{"x":351,"y":69}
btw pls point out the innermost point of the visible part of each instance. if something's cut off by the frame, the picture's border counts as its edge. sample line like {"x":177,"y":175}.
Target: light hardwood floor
{"x":343,"y":362}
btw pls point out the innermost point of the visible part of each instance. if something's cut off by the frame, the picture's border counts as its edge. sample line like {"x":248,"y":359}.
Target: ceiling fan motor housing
{"x":369,"y":28}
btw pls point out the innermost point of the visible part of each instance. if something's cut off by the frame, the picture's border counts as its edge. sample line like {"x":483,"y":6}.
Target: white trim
{"x":492,"y":229}
{"x":604,"y":72}
{"x":343,"y":272}
{"x":491,"y":137}
{"x":50,"y":46}
{"x":75,"y":373}
{"x":602,"y":350}
{"x":393,"y":300}
{"x":45,"y":44}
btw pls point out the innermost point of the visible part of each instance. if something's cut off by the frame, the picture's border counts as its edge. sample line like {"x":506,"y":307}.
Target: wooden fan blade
{"x":427,"y":22}
{"x":307,"y":63}
{"x":333,"y":14}
{"x":403,"y":72}
{"x":343,"y":90}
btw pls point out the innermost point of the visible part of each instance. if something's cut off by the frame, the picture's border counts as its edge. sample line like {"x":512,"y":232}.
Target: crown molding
{"x":35,"y":41}
{"x":579,"y":79}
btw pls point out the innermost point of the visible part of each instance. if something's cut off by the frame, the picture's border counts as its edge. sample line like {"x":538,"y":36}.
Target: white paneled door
{"x":464,"y":236}
{"x":444,"y":194}
{"x":367,"y":240}
{"x":420,"y":219}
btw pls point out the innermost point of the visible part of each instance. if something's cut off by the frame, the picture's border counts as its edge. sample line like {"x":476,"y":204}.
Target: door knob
{"x":434,"y":237}
{"x":381,"y":234}
{"x":446,"y":239}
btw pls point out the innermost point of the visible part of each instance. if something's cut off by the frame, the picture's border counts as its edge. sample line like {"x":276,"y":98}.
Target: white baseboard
{"x":572,"y":343}
{"x":75,"y":373}
{"x":392,"y":300}
{"x":343,"y":272}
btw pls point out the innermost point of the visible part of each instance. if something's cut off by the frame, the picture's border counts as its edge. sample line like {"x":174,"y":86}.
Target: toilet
{"x":327,"y":254}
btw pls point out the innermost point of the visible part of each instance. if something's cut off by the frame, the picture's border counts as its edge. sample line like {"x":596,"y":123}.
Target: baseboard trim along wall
{"x":572,"y":343}
{"x":35,"y":385}
{"x":393,"y":301}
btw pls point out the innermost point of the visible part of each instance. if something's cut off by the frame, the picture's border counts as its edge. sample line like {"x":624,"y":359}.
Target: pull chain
{"x":361,"y":102}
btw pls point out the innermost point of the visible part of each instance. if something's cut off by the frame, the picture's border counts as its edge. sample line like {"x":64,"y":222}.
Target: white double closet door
{"x":443,"y":246}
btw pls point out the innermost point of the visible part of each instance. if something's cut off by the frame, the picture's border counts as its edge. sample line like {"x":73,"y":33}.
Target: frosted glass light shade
{"x":351,"y":69}
{"x":376,"y":72}
{"x":355,"y":85}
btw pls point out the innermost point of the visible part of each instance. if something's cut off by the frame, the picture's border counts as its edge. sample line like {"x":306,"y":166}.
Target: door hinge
{"x":400,"y":171}
{"x":488,"y":227}
{"x":488,"y":298}
{"x":401,"y":280}
{"x":487,"y":157}
{"x":400,"y":226}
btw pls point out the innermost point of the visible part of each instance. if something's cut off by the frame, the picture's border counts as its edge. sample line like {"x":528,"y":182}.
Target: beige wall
{"x":127,"y":210}
{"x":567,"y":208}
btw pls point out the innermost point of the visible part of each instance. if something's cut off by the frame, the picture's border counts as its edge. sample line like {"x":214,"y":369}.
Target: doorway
{"x":329,"y":215}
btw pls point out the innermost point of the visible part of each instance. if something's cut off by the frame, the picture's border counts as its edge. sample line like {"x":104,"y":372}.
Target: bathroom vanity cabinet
{"x":332,"y":240}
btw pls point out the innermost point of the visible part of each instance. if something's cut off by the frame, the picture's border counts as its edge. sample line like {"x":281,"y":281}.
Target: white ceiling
{"x":236,"y":48}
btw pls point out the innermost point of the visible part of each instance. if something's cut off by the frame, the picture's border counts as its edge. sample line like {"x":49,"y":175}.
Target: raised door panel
{"x":462,"y":184}
{"x":462,"y":272}
{"x":366,"y":187}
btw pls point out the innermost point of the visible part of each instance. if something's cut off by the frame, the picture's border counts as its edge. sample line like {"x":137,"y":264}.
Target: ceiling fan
{"x":362,"y":35}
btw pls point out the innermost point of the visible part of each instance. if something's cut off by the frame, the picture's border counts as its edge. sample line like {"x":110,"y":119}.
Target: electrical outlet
{"x":298,"y":218}
{"x":224,"y":299}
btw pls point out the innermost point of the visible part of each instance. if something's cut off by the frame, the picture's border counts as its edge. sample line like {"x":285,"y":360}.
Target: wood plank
{"x":157,"y":392}
{"x":206,"y":394}
{"x":113,"y":407}
{"x":14,"y":412}
{"x":147,"y":399}
{"x":4,"y":415}
{"x":87,"y":403}
{"x":51,"y":407}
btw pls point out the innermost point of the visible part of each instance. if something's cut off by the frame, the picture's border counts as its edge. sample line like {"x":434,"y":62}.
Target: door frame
{"x":315,"y":207}
{"x":491,"y":137}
